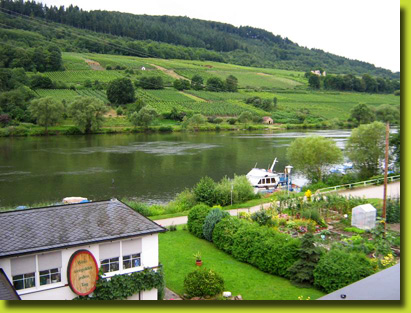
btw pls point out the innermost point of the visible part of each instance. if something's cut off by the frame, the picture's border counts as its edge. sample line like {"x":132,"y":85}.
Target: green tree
{"x":196,"y":120}
{"x":302,"y":271}
{"x":120,"y":91}
{"x":87,"y":113}
{"x":314,"y":81}
{"x":231,"y":83}
{"x":362,"y":114}
{"x":275,"y":101}
{"x":181,"y":84}
{"x":205,"y":191}
{"x":145,"y":116}
{"x":197,"y":82}
{"x":245,"y":117}
{"x":366,"y":148}
{"x":46,"y":111}
{"x":215,"y":84}
{"x":313,"y":156}
{"x":387,"y":113}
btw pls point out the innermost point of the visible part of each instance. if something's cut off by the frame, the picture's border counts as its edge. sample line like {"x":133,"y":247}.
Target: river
{"x":149,"y":167}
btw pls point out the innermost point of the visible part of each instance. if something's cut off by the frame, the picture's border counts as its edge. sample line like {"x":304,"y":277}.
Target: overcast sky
{"x":366,"y":30}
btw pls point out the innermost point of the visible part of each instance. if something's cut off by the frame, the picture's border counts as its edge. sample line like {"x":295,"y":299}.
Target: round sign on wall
{"x":82,"y":272}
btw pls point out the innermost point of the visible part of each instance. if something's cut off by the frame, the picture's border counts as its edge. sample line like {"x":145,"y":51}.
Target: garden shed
{"x":364,"y":216}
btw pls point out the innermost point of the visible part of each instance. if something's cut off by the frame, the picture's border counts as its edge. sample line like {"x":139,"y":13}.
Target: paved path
{"x":393,"y":190}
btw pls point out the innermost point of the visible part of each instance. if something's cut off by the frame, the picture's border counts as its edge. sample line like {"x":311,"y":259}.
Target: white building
{"x":38,"y":247}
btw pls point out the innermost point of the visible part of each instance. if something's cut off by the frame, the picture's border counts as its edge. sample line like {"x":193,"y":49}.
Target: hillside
{"x":289,"y":87}
{"x":165,"y":37}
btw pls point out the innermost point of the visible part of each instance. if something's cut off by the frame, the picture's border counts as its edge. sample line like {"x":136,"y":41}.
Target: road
{"x":393,"y":190}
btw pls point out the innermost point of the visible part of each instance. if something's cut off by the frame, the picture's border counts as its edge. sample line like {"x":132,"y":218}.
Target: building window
{"x":50,"y":276}
{"x":24,"y":281}
{"x":110,"y":265}
{"x":130,"y":261}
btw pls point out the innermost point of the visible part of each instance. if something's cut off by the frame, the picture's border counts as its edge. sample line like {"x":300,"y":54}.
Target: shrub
{"x":261,"y":217}
{"x":203,"y":282}
{"x":213,"y":217}
{"x":243,"y":189}
{"x":196,"y":218}
{"x":339,"y":268}
{"x":185,"y":200}
{"x":224,"y":231}
{"x":393,"y":210}
{"x":120,"y":111}
{"x":139,"y":207}
{"x":222,"y":192}
{"x":244,"y":239}
{"x":165,"y":129}
{"x":232,"y":121}
{"x":275,"y":252}
{"x":205,"y":191}
{"x":73,"y":130}
{"x":302,"y":271}
{"x":313,"y":214}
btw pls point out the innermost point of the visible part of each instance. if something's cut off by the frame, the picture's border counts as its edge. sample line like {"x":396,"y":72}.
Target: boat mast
{"x":272,"y":166}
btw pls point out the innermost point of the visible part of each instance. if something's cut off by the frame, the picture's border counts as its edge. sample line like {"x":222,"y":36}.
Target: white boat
{"x":265,"y":180}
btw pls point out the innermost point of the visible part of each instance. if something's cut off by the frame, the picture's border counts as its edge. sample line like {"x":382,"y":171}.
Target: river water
{"x":149,"y":167}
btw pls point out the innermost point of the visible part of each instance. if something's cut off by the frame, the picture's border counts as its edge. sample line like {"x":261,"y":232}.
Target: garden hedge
{"x":339,"y":268}
{"x":196,"y":218}
{"x":224,"y":231}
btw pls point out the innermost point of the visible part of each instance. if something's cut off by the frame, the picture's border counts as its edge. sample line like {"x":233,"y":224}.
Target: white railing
{"x":358,"y":184}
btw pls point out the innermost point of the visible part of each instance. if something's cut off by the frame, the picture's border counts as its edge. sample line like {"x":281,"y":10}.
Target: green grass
{"x":176,"y":251}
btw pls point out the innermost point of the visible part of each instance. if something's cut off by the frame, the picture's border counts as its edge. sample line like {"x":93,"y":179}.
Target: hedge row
{"x":274,"y":252}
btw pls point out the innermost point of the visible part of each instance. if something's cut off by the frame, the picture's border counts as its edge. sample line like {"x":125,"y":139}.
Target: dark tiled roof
{"x":7,"y":291}
{"x":35,"y":230}
{"x":384,"y":285}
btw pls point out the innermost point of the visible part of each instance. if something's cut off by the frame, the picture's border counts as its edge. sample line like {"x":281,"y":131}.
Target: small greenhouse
{"x":364,"y":216}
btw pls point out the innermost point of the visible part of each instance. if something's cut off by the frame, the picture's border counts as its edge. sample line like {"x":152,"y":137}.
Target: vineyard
{"x":287,"y":86}
{"x":69,"y":95}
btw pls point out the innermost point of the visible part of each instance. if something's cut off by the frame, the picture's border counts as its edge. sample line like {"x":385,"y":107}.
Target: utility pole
{"x":384,"y":205}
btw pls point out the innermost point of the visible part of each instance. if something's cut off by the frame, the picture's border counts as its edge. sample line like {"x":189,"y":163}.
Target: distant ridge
{"x":181,"y":38}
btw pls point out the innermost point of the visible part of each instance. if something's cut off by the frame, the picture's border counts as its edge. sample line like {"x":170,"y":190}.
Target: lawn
{"x":176,"y":254}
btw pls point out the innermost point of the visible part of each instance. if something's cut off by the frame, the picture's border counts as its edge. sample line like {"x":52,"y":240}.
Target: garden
{"x":305,"y":244}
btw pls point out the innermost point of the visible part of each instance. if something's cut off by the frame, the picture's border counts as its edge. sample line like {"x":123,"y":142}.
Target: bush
{"x":213,"y":217}
{"x":275,"y":252}
{"x":261,"y":217}
{"x":222,"y":192}
{"x":165,"y":129}
{"x":243,"y":189}
{"x":139,"y":207}
{"x":339,"y":268}
{"x":302,"y":271}
{"x":196,"y":218}
{"x":313,"y":214}
{"x":202,"y":283}
{"x":232,"y":121}
{"x":393,"y":210}
{"x":205,"y":191}
{"x":244,"y":239}
{"x":185,"y":200}
{"x":73,"y":130}
{"x":224,"y":231}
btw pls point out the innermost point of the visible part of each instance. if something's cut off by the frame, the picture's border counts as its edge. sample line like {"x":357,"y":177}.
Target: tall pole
{"x":384,"y":205}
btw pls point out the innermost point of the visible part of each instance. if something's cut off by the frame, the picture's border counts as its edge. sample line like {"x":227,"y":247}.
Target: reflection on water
{"x":148,"y":167}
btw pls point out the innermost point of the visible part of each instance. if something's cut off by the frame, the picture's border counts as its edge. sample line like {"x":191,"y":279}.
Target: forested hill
{"x":186,"y":38}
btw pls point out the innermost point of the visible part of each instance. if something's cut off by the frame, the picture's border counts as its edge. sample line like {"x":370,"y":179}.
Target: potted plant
{"x":199,"y":262}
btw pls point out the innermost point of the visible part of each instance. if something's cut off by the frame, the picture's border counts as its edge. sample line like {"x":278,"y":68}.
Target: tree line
{"x":177,"y":37}
{"x":350,"y":82}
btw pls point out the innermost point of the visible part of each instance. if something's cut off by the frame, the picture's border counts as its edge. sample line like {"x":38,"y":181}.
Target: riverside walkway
{"x":393,"y":190}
